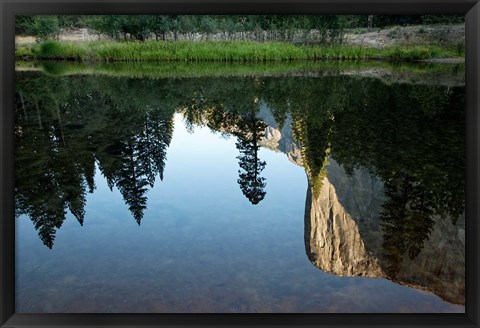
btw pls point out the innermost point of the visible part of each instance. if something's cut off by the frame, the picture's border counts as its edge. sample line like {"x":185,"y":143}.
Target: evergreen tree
{"x":250,"y":131}
{"x":45,"y":27}
{"x":132,"y":181}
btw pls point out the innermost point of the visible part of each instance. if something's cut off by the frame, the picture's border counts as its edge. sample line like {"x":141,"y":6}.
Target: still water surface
{"x":283,"y":193}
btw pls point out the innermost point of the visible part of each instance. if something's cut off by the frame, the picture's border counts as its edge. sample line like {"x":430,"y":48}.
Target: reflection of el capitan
{"x":348,"y":245}
{"x":354,"y":224}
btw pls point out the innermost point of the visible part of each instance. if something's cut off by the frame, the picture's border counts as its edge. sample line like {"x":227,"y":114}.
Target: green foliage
{"x":72,"y":21}
{"x":24,"y":52}
{"x":442,"y":19}
{"x":24,"y":24}
{"x":45,"y":27}
{"x":328,"y":28}
{"x":60,"y":50}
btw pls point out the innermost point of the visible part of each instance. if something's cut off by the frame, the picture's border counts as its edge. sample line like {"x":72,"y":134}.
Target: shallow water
{"x":238,"y":194}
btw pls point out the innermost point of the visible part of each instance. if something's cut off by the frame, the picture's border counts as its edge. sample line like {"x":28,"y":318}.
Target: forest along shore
{"x":436,"y":43}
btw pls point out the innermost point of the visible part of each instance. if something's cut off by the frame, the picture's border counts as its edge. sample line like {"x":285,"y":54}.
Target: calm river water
{"x":251,"y":190}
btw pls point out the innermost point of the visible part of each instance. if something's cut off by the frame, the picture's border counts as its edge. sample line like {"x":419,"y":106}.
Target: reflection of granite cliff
{"x":343,"y":235}
{"x":332,"y":238}
{"x":438,"y":268}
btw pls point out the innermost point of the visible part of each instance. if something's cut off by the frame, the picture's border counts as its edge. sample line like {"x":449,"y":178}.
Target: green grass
{"x":24,"y":52}
{"x":243,"y":51}
{"x":60,"y":50}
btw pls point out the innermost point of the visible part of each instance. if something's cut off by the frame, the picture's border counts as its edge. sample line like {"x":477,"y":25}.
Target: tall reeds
{"x":225,"y":51}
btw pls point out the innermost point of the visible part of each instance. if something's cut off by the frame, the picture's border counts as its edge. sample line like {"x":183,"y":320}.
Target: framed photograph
{"x":225,"y":163}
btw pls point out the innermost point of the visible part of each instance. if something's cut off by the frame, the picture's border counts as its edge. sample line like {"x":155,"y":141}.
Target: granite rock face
{"x":332,"y":238}
{"x":438,"y":268}
{"x":344,"y":235}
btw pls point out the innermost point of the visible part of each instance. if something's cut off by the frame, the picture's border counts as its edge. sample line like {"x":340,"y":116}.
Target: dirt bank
{"x":73,"y":35}
{"x":408,"y":35}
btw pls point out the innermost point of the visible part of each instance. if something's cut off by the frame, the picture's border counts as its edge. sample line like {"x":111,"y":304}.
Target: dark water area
{"x":246,"y":193}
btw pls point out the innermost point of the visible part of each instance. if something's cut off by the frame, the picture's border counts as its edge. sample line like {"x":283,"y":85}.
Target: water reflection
{"x":384,"y":162}
{"x":368,"y":244}
{"x":245,"y":126}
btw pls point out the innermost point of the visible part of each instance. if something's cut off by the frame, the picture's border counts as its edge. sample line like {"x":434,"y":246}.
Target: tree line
{"x":259,"y":27}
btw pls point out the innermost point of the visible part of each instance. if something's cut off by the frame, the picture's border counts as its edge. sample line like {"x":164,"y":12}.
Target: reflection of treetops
{"x":313,"y":125}
{"x":315,"y":150}
{"x":417,"y":148}
{"x":76,"y":125}
{"x":131,"y":164}
{"x":56,"y":154}
{"x":66,"y":125}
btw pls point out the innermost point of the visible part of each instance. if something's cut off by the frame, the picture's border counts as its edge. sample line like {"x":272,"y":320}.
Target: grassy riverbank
{"x":112,"y":51}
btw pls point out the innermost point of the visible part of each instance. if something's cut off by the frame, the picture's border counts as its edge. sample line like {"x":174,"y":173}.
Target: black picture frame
{"x":10,"y":8}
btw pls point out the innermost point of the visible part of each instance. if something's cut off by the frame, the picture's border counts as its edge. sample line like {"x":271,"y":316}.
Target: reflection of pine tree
{"x":39,"y":197}
{"x":406,"y":220}
{"x":47,"y":180}
{"x":73,"y":188}
{"x":69,"y":164}
{"x":131,"y":182}
{"x":47,"y":215}
{"x":136,"y":154}
{"x":89,"y":171}
{"x":250,"y":131}
{"x":153,"y":143}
